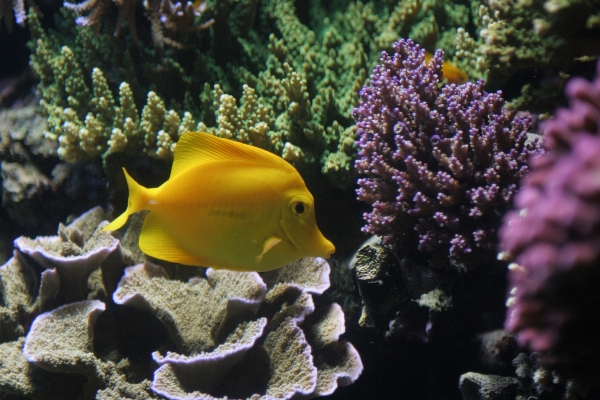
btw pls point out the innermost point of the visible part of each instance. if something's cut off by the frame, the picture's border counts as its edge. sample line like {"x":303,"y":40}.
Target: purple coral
{"x":554,"y":239}
{"x":441,"y":164}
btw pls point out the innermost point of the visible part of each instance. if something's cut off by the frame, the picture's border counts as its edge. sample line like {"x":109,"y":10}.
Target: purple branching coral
{"x":441,"y":163}
{"x":554,"y":239}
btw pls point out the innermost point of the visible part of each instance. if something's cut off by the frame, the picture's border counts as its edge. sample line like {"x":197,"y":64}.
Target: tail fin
{"x":137,"y":202}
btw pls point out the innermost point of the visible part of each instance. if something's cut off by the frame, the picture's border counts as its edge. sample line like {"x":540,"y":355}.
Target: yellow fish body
{"x":451,"y":72}
{"x":227,"y":205}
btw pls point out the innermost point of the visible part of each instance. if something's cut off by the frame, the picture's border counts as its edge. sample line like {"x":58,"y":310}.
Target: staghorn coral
{"x":323,"y":65}
{"x":84,"y":116}
{"x":86,"y":120}
{"x":528,"y":46}
{"x":84,"y":349}
{"x":441,"y":164}
{"x":166,"y":18}
{"x":281,"y":81}
{"x":249,"y":123}
{"x":553,"y":238}
{"x":285,"y":83}
{"x":16,"y":9}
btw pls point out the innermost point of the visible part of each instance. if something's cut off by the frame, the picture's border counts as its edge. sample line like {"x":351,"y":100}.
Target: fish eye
{"x":298,"y":207}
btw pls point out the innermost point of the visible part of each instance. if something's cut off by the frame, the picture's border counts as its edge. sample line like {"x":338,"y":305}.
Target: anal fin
{"x":156,"y":242}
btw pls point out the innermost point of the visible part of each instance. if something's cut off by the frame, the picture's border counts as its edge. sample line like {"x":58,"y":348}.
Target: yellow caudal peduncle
{"x":137,"y":201}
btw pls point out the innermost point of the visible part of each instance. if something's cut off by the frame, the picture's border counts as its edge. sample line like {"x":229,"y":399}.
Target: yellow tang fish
{"x":451,"y":72}
{"x":227,"y":205}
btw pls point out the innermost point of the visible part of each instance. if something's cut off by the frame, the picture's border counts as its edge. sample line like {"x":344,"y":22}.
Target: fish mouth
{"x":311,"y":242}
{"x":328,"y":250}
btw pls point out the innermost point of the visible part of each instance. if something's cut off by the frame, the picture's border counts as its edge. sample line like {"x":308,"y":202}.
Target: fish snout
{"x":329,"y":249}
{"x":322,"y":247}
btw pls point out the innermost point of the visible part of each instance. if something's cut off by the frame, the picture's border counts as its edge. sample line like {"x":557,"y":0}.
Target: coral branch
{"x":440,"y":164}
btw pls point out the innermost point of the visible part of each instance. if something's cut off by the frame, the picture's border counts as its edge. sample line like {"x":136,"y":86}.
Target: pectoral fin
{"x":268,"y":245}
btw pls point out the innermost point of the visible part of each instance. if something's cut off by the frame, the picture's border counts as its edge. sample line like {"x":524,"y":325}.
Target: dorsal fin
{"x":197,"y":148}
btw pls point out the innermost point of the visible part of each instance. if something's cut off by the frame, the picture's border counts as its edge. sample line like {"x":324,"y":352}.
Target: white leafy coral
{"x":234,"y":333}
{"x":247,"y":335}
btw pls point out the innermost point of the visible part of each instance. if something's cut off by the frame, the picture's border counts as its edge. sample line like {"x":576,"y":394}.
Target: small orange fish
{"x":227,"y":205}
{"x":451,"y":72}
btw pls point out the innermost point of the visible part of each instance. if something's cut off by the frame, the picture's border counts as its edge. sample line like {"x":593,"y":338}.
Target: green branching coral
{"x":314,"y":71}
{"x":508,"y":37}
{"x":521,"y":35}
{"x":251,"y":122}
{"x":431,"y":23}
{"x":277,"y":74}
{"x":84,"y":116}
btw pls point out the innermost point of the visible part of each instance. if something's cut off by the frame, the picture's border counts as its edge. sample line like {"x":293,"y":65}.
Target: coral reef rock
{"x":242,"y":339}
{"x":474,"y":386}
{"x":78,"y":322}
